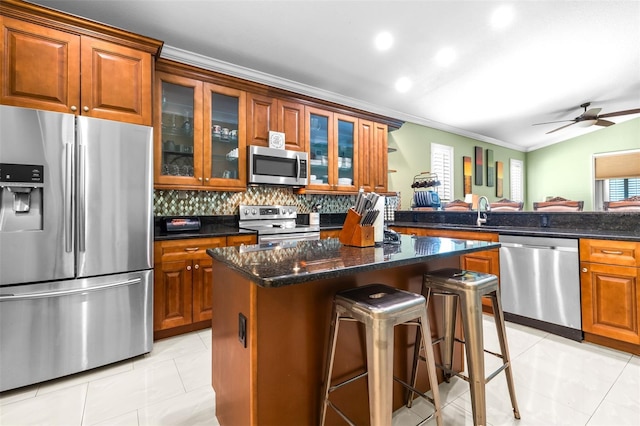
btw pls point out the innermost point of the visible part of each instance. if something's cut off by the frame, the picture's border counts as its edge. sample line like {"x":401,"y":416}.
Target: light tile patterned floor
{"x":558,"y":382}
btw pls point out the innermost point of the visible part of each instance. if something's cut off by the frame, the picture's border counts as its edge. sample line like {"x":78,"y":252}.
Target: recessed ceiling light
{"x":502,"y":17}
{"x":446,"y":56}
{"x":403,"y":84}
{"x":384,"y":40}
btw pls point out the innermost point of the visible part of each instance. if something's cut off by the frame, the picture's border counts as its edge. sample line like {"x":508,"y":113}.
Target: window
{"x":619,"y":189}
{"x":442,"y":165}
{"x":516,"y":176}
{"x":617,"y":176}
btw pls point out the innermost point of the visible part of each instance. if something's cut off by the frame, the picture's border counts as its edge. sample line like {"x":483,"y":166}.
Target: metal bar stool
{"x":380,"y":308}
{"x":469,"y":287}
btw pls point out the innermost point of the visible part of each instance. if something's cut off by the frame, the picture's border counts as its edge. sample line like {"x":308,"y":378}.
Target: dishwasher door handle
{"x":538,"y":247}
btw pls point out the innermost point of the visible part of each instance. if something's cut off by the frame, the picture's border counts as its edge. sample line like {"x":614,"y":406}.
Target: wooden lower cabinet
{"x":329,"y":233}
{"x":183,"y":282}
{"x":610,"y":286}
{"x":487,"y":261}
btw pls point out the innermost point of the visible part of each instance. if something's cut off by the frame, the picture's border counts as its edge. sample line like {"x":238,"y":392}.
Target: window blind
{"x":619,"y":189}
{"x":442,"y":165}
{"x":516,"y":176}
{"x":618,"y":166}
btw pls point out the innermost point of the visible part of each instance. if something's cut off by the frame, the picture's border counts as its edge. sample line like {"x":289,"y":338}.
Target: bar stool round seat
{"x":468,"y":288}
{"x":379,"y":308}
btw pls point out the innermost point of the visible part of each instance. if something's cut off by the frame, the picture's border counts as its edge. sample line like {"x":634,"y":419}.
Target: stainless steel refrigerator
{"x":76,"y":244}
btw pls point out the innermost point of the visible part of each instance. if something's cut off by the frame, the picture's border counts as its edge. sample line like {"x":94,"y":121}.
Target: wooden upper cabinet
{"x":373,"y":155}
{"x":116,"y":82}
{"x":367,"y":155}
{"x":27,"y":51}
{"x":63,"y":65}
{"x":380,"y":165}
{"x":265,"y":113}
{"x":291,"y":122}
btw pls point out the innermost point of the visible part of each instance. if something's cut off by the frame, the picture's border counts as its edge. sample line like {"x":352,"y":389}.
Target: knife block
{"x":354,"y":234}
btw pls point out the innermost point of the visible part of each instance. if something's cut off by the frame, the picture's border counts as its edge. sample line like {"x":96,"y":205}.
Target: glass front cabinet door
{"x":332,"y":142}
{"x":177,"y":151}
{"x":225,"y":141}
{"x":320,"y":134}
{"x":201,"y":139}
{"x":346,"y":139}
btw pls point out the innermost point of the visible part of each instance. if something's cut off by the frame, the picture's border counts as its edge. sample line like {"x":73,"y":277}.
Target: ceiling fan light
{"x":586,"y":123}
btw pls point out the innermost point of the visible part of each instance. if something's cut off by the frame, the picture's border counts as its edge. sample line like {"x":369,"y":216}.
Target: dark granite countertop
{"x":632,"y":235}
{"x":211,"y":226}
{"x":599,"y":225}
{"x":298,"y":262}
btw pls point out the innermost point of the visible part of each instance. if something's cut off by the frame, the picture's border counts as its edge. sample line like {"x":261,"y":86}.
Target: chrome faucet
{"x":482,"y":219}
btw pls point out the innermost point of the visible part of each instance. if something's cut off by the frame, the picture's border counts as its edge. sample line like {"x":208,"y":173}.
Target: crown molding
{"x":211,"y":64}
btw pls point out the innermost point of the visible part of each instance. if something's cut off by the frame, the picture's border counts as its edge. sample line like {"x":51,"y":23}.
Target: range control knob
{"x":254,"y":212}
{"x":246,"y":212}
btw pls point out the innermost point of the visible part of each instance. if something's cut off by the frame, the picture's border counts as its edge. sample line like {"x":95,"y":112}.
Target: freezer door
{"x":114,"y":197}
{"x":53,"y":329}
{"x":36,"y":240}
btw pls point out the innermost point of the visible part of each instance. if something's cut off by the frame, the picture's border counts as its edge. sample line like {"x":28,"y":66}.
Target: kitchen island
{"x":271,"y":313}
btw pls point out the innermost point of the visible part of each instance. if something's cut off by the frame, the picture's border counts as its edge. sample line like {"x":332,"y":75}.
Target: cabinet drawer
{"x":236,"y":240}
{"x":624,"y":253}
{"x":447,"y":233}
{"x":191,"y":248}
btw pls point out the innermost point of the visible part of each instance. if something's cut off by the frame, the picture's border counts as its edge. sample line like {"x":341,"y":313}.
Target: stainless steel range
{"x":276,"y":223}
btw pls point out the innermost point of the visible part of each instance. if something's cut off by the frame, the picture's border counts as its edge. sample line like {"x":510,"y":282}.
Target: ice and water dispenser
{"x":21,"y":190}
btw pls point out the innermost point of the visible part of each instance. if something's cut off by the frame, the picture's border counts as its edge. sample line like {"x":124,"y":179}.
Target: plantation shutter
{"x":516,"y":174}
{"x":442,"y":165}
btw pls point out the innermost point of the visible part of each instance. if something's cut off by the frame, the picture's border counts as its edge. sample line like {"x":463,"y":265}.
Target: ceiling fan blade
{"x":615,"y":114}
{"x":551,"y":122}
{"x":591,"y":114}
{"x":562,"y":127}
{"x":604,"y":123}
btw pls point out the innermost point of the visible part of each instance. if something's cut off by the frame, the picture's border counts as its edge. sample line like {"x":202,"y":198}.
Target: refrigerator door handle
{"x":81,"y":199}
{"x":68,"y":207}
{"x":58,"y":293}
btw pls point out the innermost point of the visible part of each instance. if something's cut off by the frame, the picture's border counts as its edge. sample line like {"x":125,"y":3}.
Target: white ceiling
{"x":554,"y":56}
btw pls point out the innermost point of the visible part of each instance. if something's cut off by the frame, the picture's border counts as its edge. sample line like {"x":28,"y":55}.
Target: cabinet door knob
{"x":206,"y":179}
{"x":197,"y":266}
{"x":85,"y":109}
{"x":200,"y":179}
{"x":189,"y":268}
{"x":74,"y":108}
{"x":584,"y":269}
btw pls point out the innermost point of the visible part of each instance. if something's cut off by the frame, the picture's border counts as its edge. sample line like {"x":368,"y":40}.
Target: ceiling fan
{"x":591,"y":117}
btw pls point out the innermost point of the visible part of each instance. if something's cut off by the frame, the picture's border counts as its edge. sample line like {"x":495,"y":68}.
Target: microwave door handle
{"x":297,"y":167}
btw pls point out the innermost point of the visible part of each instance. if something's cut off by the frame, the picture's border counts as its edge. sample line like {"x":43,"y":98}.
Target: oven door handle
{"x":290,"y":237}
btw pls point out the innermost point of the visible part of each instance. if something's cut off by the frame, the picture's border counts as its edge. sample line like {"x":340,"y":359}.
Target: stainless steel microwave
{"x":277,"y":166}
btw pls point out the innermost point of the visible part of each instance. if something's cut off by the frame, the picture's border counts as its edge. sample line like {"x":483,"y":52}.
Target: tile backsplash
{"x":194,"y":203}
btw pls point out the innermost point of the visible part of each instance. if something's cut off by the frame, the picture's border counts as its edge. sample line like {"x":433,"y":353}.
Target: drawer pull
{"x":611,"y":252}
{"x":191,"y":249}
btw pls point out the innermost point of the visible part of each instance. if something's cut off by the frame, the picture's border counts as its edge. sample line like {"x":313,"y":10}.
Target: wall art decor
{"x":467,"y":168}
{"x":491,"y":172}
{"x":479,"y":162}
{"x":499,"y":178}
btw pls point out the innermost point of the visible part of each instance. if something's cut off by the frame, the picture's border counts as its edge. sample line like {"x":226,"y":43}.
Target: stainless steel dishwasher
{"x":540,"y":283}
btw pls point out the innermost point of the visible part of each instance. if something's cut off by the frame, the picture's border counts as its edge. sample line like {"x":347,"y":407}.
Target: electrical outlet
{"x":242,"y":330}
